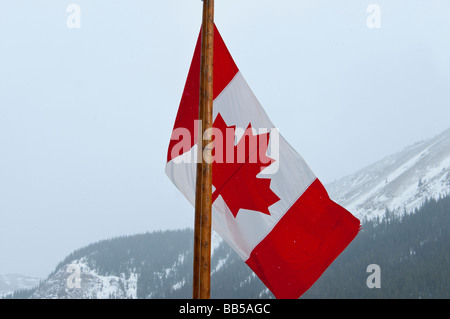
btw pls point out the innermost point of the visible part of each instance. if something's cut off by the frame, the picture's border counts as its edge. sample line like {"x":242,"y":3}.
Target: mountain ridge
{"x":383,"y":192}
{"x":399,"y":182}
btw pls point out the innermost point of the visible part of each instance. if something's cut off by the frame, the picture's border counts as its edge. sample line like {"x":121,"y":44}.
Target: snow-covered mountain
{"x":400,"y":182}
{"x":12,"y":282}
{"x":152,"y":265}
{"x":77,"y":280}
{"x":159,"y":265}
{"x":147,"y":265}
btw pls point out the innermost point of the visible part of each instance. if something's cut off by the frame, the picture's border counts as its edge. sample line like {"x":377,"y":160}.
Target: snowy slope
{"x":62,"y":285}
{"x":151,"y":265}
{"x":400,"y":182}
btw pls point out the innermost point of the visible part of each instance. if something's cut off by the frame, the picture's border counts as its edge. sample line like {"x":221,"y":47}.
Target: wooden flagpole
{"x":203,"y":193}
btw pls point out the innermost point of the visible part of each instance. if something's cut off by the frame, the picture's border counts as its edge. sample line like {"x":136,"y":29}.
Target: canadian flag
{"x":267,"y":203}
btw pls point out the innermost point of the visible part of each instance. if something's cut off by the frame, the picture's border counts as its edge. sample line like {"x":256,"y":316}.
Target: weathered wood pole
{"x":203,"y":195}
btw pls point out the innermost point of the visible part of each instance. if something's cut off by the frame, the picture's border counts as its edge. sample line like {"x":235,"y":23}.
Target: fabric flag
{"x":267,"y":203}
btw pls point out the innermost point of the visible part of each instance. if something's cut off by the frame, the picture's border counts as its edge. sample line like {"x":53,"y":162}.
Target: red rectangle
{"x":306,"y":240}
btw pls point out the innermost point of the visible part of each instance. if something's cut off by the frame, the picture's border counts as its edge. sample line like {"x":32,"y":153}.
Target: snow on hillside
{"x":63,"y":284}
{"x":400,"y":182}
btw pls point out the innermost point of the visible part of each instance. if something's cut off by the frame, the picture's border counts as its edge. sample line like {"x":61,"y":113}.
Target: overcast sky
{"x":86,"y":113}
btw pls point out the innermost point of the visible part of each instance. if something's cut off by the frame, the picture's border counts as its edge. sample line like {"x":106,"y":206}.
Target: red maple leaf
{"x":235,"y":168}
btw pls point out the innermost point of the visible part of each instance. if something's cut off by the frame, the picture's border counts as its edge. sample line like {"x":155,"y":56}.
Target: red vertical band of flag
{"x":189,"y":105}
{"x":312,"y":233}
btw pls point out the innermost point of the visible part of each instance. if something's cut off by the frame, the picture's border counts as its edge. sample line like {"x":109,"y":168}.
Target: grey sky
{"x":86,"y":114}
